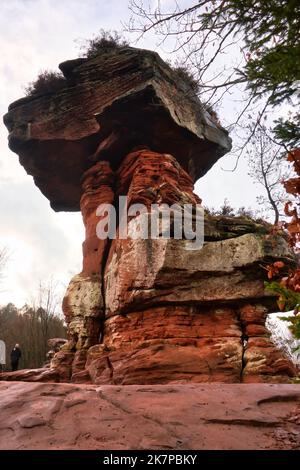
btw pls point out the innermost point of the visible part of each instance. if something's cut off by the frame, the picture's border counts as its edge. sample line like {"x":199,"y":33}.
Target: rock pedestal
{"x":147,"y":310}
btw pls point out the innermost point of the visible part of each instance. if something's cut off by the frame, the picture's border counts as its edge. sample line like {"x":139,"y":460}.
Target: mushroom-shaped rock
{"x":148,"y":310}
{"x":109,"y":105}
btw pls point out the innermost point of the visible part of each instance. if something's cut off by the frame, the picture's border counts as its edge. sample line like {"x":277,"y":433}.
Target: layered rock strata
{"x":147,"y":310}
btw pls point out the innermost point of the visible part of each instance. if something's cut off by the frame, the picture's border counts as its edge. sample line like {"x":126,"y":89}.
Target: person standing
{"x":15,"y":356}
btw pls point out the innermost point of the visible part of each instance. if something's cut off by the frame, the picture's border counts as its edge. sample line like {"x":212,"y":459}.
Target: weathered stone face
{"x":83,"y":307}
{"x":150,"y":311}
{"x":147,"y":310}
{"x":145,"y":272}
{"x":196,"y":344}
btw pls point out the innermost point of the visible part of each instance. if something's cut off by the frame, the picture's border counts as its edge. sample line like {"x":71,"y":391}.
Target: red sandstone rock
{"x":253,"y":318}
{"x":55,"y":344}
{"x":32,"y":375}
{"x":79,"y":361}
{"x":83,"y":302}
{"x":169,"y":361}
{"x":149,"y":272}
{"x":98,"y":188}
{"x":62,"y":364}
{"x":111,"y":104}
{"x":182,"y":344}
{"x":83,"y":309}
{"x":148,"y":177}
{"x":253,"y":314}
{"x":166,"y":417}
{"x":150,"y":320}
{"x":262,"y":361}
{"x":265,"y":363}
{"x":149,"y":310}
{"x":171,"y":322}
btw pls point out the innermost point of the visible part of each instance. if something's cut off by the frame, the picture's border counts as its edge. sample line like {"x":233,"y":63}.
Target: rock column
{"x":83,"y":304}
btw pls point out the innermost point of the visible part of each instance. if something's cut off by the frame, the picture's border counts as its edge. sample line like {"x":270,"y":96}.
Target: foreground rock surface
{"x":64,"y":416}
{"x":43,"y":374}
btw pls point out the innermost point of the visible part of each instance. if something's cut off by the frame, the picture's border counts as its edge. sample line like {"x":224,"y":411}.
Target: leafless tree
{"x":200,"y":43}
{"x":45,"y":306}
{"x":33,"y":324}
{"x":268,"y":170}
{"x":24,"y":326}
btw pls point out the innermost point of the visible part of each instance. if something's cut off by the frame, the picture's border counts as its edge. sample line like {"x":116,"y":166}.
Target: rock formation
{"x":55,"y":344}
{"x":147,"y":311}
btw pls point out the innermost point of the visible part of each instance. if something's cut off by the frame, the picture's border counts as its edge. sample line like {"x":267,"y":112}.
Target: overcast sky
{"x":37,"y":35}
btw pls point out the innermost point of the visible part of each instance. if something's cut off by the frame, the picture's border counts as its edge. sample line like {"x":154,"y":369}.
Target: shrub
{"x":227,"y":210}
{"x":46,"y":82}
{"x":184,"y":74}
{"x":287,"y":300}
{"x":105,"y":41}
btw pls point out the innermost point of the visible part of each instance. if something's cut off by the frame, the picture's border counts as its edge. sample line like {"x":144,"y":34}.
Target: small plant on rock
{"x":46,"y":82}
{"x":184,"y":74}
{"x":105,"y":41}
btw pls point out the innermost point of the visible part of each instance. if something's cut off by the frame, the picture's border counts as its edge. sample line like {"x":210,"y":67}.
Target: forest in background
{"x":31,"y":328}
{"x":32,"y":325}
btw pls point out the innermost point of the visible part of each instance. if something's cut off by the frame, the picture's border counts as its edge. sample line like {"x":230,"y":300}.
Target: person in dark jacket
{"x":15,"y":356}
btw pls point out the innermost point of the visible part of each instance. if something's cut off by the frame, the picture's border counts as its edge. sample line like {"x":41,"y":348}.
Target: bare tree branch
{"x":264,"y":157}
{"x":209,"y":36}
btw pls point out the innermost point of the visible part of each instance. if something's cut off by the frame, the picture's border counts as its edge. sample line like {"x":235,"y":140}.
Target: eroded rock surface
{"x":146,"y":311}
{"x":188,"y":344}
{"x":146,"y":272}
{"x":208,"y":416}
{"x":111,"y":104}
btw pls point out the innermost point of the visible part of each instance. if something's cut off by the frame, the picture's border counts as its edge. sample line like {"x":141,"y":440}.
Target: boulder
{"x":31,"y":375}
{"x":146,"y":272}
{"x":56,"y":343}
